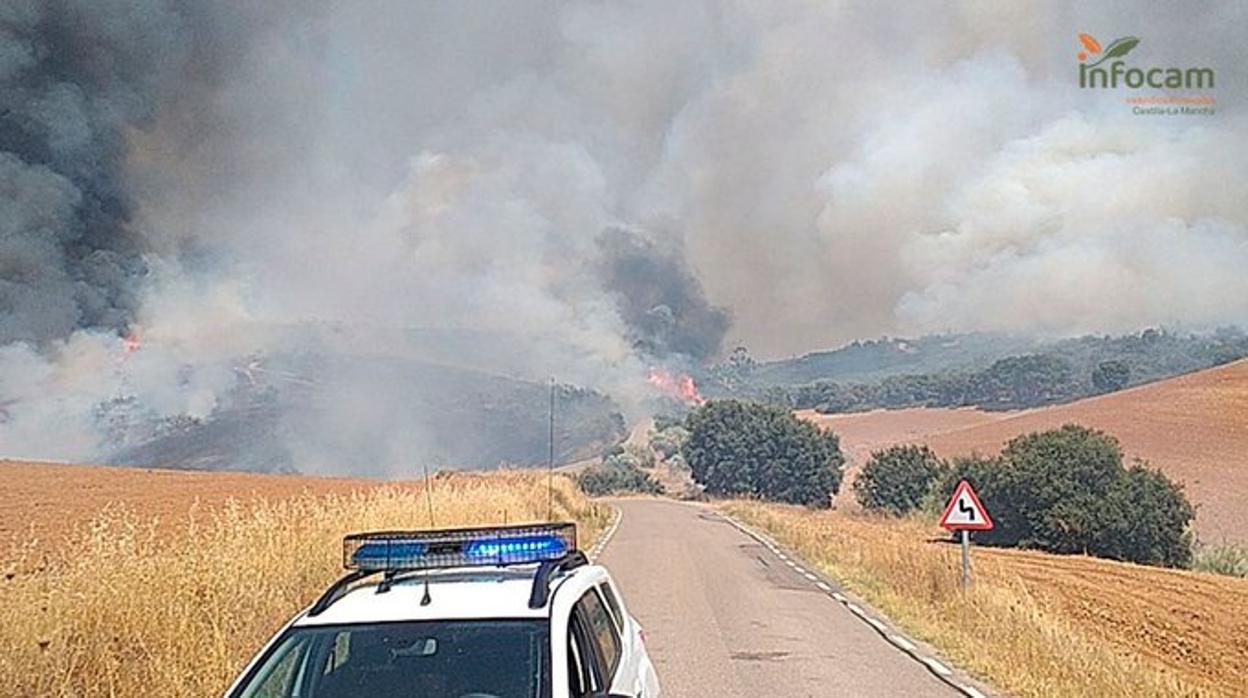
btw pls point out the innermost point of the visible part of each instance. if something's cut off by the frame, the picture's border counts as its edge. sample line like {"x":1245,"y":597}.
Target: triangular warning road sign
{"x":965,"y":511}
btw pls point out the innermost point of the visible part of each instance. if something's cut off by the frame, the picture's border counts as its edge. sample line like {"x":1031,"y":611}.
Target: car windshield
{"x":479,"y":658}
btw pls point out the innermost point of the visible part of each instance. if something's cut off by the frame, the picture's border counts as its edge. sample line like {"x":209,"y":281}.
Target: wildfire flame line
{"x":678,"y":385}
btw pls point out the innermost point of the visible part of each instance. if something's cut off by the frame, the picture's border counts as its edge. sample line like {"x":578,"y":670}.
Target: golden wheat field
{"x":43,"y":503}
{"x":128,"y":605}
{"x":1033,"y":624}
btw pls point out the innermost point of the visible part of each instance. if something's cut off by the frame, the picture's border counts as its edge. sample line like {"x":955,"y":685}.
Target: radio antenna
{"x":428,"y":493}
{"x":550,"y":458}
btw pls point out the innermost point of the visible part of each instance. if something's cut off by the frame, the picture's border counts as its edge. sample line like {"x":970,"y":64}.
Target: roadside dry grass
{"x":1034,"y":624}
{"x":127,"y":608}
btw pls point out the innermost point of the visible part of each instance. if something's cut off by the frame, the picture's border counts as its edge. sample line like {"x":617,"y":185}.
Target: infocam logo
{"x":1104,"y":69}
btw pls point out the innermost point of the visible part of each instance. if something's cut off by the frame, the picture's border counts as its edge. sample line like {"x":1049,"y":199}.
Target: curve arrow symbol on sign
{"x":965,"y":512}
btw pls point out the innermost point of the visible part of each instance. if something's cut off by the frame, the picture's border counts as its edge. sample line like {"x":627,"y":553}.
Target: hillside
{"x":1194,"y":427}
{"x":986,"y":371}
{"x":339,"y":414}
{"x":870,"y":360}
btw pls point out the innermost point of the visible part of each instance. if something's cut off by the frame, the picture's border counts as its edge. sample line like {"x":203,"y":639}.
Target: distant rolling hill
{"x":870,"y":360}
{"x":1194,"y":427}
{"x":342,"y":414}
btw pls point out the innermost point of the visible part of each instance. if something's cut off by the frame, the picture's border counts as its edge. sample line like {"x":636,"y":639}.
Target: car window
{"x":602,"y":629}
{"x":278,"y":678}
{"x":581,"y":677}
{"x":504,"y":658}
{"x":613,"y":603}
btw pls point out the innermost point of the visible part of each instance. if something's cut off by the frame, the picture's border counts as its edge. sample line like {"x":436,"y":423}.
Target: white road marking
{"x":902,"y":642}
{"x":823,"y":587}
{"x":875,"y":623}
{"x":595,"y":551}
{"x":839,"y":597}
{"x":971,"y":691}
{"x":937,"y":666}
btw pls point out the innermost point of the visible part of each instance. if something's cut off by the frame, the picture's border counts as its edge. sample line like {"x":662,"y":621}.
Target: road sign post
{"x":965,"y":513}
{"x":966,"y":558}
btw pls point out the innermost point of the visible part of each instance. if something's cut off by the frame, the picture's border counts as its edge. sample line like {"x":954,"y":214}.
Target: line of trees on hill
{"x":1058,"y":372}
{"x":1062,"y":491}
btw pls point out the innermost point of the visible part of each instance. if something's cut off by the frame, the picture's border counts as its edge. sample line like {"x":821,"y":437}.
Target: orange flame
{"x":678,"y":385}
{"x":131,"y":342}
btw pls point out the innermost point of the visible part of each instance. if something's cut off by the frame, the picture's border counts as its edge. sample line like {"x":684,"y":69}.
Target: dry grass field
{"x":45,"y":502}
{"x":1034,"y":624}
{"x":1194,"y":427}
{"x":128,"y":605}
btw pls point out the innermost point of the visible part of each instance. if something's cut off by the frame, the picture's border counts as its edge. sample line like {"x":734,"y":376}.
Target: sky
{"x":635,"y":183}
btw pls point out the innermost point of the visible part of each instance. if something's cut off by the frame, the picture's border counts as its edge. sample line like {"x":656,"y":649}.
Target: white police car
{"x":510,"y":612}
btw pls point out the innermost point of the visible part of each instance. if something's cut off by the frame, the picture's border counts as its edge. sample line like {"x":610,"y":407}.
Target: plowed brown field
{"x":1194,"y":427}
{"x":1191,"y":623}
{"x":48,"y":501}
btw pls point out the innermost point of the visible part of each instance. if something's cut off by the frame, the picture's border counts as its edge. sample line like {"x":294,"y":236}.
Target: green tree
{"x":1066,"y":491}
{"x":1059,"y":477}
{"x":1032,"y":379}
{"x":897,"y":479}
{"x":1112,"y":375}
{"x":1145,"y":519}
{"x":741,"y":448}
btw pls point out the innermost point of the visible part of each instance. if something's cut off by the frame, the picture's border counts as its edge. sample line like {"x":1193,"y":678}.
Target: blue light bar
{"x":522,"y":548}
{"x":464,"y":547}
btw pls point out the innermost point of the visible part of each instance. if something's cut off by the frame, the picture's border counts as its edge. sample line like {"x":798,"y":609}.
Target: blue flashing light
{"x":524,"y":548}
{"x":417,"y":550}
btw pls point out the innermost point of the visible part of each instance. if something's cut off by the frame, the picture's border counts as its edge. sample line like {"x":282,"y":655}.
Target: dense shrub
{"x":897,"y":479}
{"x":741,"y":448}
{"x":1066,"y":491}
{"x":668,"y":442}
{"x":1229,"y":559}
{"x":618,"y":474}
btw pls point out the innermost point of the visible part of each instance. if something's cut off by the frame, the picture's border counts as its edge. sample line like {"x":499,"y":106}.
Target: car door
{"x":629,"y":675}
{"x":586,"y":672}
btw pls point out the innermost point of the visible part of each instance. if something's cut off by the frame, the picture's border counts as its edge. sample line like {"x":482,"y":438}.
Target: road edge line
{"x":905,"y":645}
{"x":605,"y":537}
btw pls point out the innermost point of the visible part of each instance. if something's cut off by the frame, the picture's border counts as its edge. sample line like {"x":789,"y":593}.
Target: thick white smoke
{"x":825,"y":171}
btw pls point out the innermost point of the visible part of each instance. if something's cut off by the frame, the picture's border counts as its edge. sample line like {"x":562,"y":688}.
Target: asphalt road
{"x":724,"y":618}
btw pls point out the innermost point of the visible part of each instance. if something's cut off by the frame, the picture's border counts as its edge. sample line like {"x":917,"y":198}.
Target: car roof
{"x":465,"y":593}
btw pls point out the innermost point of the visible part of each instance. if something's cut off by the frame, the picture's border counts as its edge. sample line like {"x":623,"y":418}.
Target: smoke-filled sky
{"x":630,"y":181}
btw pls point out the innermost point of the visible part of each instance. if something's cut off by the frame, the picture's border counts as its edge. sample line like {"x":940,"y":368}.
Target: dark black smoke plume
{"x":659,"y":298}
{"x":75,"y":75}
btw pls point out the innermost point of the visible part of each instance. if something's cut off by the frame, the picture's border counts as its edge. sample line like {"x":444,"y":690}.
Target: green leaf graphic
{"x":1121,"y":47}
{"x":1117,"y":49}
